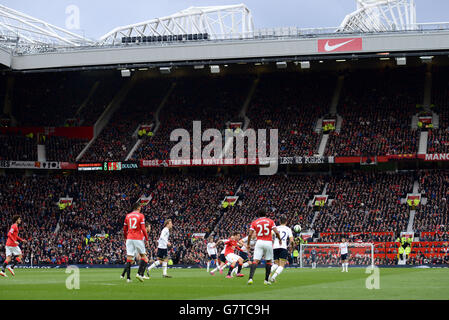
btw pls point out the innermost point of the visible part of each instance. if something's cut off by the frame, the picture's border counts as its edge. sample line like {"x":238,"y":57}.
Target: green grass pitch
{"x":191,"y":284}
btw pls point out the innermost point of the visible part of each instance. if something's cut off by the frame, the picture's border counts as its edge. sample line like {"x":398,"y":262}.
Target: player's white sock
{"x":225,"y":265}
{"x":343,"y":266}
{"x":234,"y":271}
{"x":164,"y":268}
{"x":274,"y":267}
{"x":208,"y":265}
{"x":278,"y":272}
{"x":347,"y":264}
{"x":154,"y":265}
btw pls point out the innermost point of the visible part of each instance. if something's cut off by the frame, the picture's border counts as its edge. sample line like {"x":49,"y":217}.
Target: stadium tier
{"x":364,"y":207}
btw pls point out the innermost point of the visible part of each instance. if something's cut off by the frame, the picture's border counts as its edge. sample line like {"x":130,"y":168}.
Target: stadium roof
{"x":219,"y":22}
{"x":19,"y":29}
{"x":381,"y":16}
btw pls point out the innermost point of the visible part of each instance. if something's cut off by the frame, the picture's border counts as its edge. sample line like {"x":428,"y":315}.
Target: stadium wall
{"x":5,"y":57}
{"x":233,"y":49}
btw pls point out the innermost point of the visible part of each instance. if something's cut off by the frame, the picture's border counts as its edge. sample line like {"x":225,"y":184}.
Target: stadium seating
{"x":211,"y":100}
{"x":377,"y":112}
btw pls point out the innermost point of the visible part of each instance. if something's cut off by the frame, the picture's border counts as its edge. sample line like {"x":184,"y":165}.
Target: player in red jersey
{"x":13,"y":251}
{"x":135,"y":233}
{"x":230,"y":246}
{"x":137,"y":257}
{"x":262,"y":227}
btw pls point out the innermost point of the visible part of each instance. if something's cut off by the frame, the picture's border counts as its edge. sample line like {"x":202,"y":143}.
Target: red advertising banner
{"x":340,"y":45}
{"x":434,"y":157}
{"x":68,"y":132}
{"x":199,"y":162}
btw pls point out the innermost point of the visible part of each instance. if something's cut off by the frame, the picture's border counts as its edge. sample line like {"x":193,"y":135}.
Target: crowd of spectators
{"x":90,"y":230}
{"x":18,"y":148}
{"x":49,"y":99}
{"x":63,"y":149}
{"x":366,"y":202}
{"x":280,"y":194}
{"x":292,"y":103}
{"x":433,"y":217}
{"x":212,"y":100}
{"x":377,"y":111}
{"x":116,"y":140}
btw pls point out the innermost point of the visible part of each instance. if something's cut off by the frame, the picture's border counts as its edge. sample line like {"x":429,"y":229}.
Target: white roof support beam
{"x":220,"y":22}
{"x":380,"y":15}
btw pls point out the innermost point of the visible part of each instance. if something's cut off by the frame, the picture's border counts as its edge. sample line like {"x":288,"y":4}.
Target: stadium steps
{"x":242,"y":114}
{"x":315,"y":216}
{"x":113,"y":106}
{"x":427,"y":90}
{"x":323,"y":144}
{"x":217,"y":224}
{"x":423,"y":140}
{"x":41,"y":153}
{"x":91,"y":93}
{"x":156,"y":120}
{"x":332,"y":111}
{"x":336,"y":97}
{"x":7,"y":105}
{"x":411,"y":218}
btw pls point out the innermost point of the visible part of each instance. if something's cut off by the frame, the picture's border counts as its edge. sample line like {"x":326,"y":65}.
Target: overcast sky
{"x":97,"y":17}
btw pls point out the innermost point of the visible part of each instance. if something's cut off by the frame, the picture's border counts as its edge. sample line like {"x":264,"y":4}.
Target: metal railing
{"x":21,"y":48}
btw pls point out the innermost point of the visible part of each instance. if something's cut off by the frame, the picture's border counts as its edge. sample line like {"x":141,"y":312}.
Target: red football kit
{"x":230,"y":246}
{"x":134,"y":228}
{"x":263,"y":228}
{"x":13,"y":236}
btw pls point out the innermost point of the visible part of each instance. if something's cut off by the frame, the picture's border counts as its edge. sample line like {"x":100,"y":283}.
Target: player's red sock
{"x":231,"y":267}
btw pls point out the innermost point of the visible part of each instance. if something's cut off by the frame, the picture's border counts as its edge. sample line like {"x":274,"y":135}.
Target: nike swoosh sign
{"x":328,"y":47}
{"x":340,"y":45}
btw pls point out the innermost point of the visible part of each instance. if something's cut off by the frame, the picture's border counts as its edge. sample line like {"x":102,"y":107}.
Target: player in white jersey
{"x":343,"y":250}
{"x":223,"y":262}
{"x":212,"y":252}
{"x":162,"y":249}
{"x":280,"y":250}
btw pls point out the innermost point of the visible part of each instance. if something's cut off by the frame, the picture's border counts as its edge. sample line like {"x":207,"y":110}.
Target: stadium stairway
{"x":7,"y":106}
{"x":215,"y":227}
{"x":91,"y":93}
{"x":323,"y":193}
{"x":156,"y":120}
{"x":332,"y":111}
{"x":424,"y":135}
{"x":247,"y":103}
{"x":243,"y":111}
{"x":113,"y":106}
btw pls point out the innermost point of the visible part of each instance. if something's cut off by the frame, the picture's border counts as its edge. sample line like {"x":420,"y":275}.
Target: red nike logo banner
{"x":339,"y":45}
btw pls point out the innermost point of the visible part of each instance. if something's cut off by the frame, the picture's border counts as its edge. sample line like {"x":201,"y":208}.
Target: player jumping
{"x":262,"y":227}
{"x":13,"y":252}
{"x":135,"y":232}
